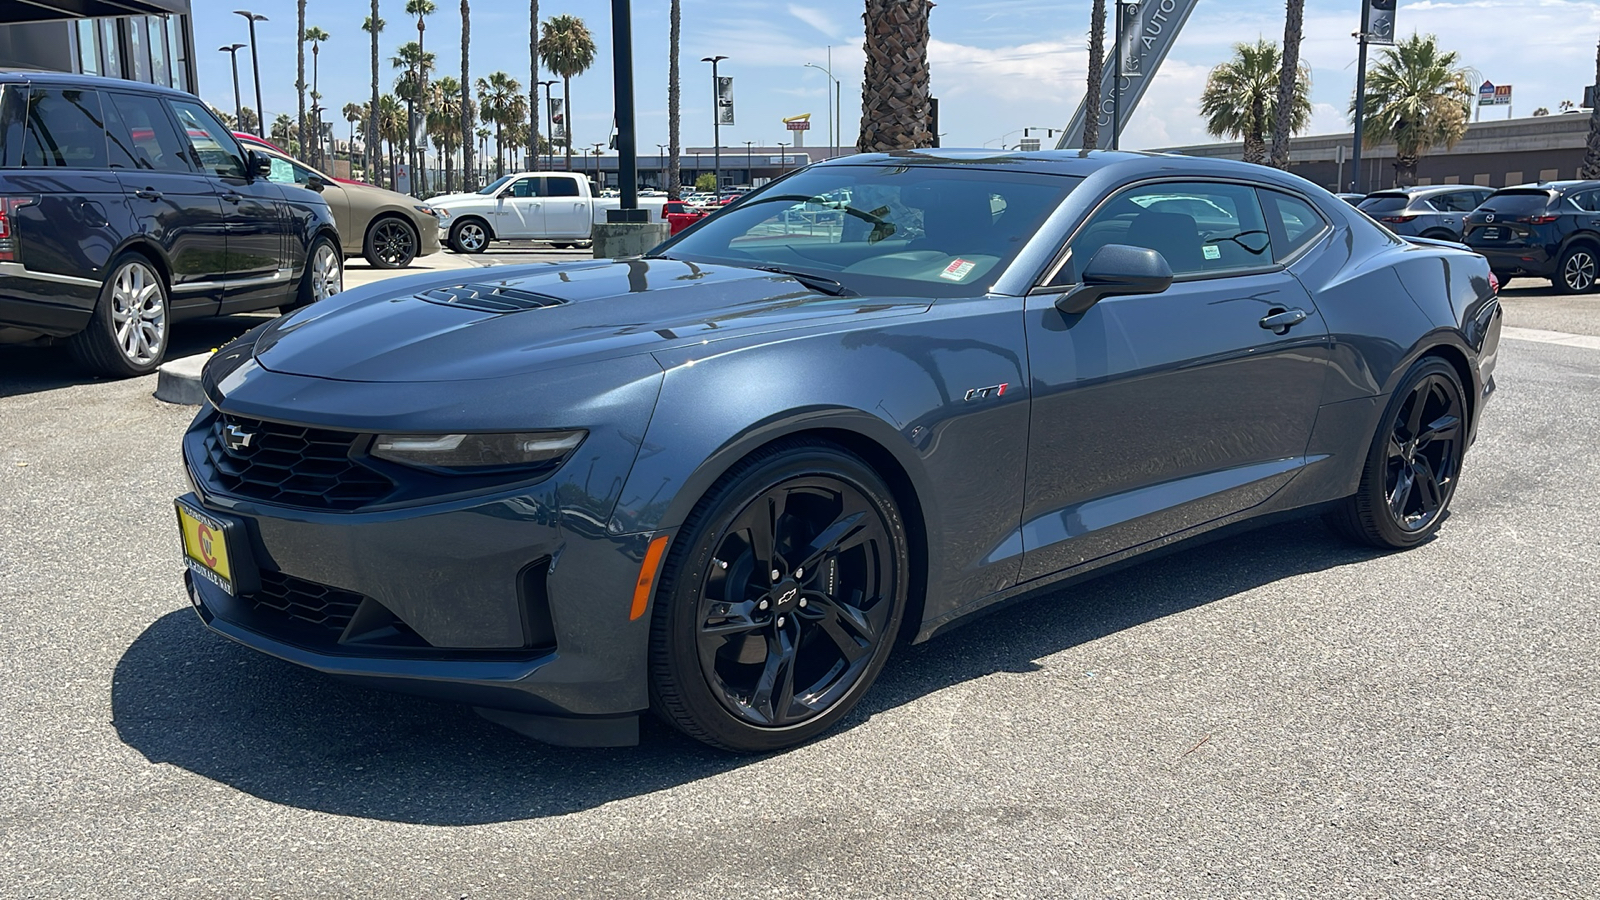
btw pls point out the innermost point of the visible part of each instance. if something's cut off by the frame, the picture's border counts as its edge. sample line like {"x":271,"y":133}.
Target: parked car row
{"x":1545,"y":230}
{"x":126,"y":207}
{"x":558,"y":207}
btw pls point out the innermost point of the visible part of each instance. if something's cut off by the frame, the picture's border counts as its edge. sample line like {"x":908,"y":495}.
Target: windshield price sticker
{"x":958,"y":270}
{"x":1211,"y":251}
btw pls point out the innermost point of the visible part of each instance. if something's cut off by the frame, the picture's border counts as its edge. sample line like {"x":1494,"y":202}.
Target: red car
{"x":679,"y":216}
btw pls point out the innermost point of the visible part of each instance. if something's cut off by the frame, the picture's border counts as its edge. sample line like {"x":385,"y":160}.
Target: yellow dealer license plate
{"x":205,"y":546}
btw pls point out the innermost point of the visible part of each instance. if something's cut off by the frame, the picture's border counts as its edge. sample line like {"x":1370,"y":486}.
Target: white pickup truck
{"x":556,"y":207}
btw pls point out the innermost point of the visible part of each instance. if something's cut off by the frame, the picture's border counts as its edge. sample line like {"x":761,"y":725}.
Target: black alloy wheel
{"x":391,"y":244}
{"x":1414,"y":465}
{"x":1577,"y":270}
{"x":780,"y":601}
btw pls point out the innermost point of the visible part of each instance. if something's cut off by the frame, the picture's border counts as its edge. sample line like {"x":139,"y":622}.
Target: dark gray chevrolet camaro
{"x":872,"y":398}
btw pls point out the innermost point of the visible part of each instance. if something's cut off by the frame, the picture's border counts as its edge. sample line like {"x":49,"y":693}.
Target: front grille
{"x":489,"y":298}
{"x":306,"y":601}
{"x":293,"y":465}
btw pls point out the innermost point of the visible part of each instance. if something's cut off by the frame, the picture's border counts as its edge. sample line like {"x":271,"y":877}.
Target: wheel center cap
{"x":785,"y":595}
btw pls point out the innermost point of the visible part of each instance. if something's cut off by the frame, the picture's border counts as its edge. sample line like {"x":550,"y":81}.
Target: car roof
{"x":21,"y":76}
{"x":1560,"y":187}
{"x":1427,"y":190}
{"x":1079,"y":163}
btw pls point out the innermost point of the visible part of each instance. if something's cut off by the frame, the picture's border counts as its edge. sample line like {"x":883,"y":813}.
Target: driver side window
{"x":1200,"y":228}
{"x":525,"y":188}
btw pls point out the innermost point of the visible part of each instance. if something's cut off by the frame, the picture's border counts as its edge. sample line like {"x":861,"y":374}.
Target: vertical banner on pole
{"x":1131,"y":57}
{"x":558,"y":120}
{"x":1380,"y":22}
{"x":1149,"y":28}
{"x":725,"y":100}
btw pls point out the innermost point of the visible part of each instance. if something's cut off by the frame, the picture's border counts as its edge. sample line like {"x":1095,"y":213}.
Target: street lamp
{"x":661,"y":163}
{"x":833,"y":103}
{"x":783,"y":156}
{"x":716,"y":120}
{"x":549,"y":133}
{"x":238,"y":112}
{"x":748,"y":171}
{"x":597,"y":149}
{"x":255,"y":64}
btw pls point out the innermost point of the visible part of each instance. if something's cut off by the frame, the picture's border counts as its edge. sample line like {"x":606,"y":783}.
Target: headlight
{"x":428,"y":211}
{"x":479,"y":452}
{"x":440,"y":213}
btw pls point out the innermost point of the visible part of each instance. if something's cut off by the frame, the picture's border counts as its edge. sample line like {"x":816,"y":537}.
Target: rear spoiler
{"x":1435,"y":242}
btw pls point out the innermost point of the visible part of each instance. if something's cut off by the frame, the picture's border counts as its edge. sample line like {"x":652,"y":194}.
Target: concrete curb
{"x":178,"y":381}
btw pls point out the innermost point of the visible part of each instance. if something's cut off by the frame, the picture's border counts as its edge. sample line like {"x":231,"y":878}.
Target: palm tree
{"x":421,"y":9}
{"x":673,"y":174}
{"x":444,"y":124}
{"x":483,"y":141}
{"x":1288,"y":78}
{"x":894,"y":88}
{"x":354,"y":113}
{"x":282,"y":133}
{"x":500,"y":97}
{"x":415,"y":65}
{"x":568,"y":50}
{"x":1097,"y":75}
{"x":468,"y":176}
{"x":373,"y":26}
{"x":1241,"y":97}
{"x":391,"y":127}
{"x":533,"y":81}
{"x":300,"y":70}
{"x":315,"y":36}
{"x":1418,"y":97}
{"x":1591,"y":153}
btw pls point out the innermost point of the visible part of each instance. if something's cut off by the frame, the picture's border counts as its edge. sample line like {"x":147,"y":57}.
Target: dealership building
{"x":142,"y":40}
{"x":1493,"y":154}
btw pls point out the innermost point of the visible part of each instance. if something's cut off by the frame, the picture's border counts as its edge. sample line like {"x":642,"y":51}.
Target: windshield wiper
{"x":815,"y":282}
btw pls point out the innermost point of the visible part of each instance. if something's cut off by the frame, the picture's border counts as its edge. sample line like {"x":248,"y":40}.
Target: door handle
{"x":232,"y":197}
{"x":1279,"y":320}
{"x":148,"y":194}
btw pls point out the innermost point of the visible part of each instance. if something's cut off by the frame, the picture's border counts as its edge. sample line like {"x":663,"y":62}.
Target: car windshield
{"x":887,"y":229}
{"x":494,"y":185}
{"x":1377,"y":204}
{"x":1516,"y":202}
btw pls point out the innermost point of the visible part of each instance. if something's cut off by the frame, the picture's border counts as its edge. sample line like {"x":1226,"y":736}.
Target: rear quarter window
{"x":65,"y":128}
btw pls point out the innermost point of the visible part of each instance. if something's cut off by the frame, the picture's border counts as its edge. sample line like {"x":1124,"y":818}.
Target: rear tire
{"x":323,"y":277}
{"x":749,"y":662}
{"x":127,"y":333}
{"x":391,"y":243}
{"x":469,"y":236}
{"x":1414,"y":463}
{"x":1577,"y":270}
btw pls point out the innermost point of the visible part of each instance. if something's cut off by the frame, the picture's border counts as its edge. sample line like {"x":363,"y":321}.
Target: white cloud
{"x":816,"y":18}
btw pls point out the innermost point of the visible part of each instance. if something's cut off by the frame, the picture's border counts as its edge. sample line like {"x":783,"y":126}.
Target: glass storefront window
{"x":180,"y":53}
{"x":111,"y":47}
{"x":88,"y":48}
{"x":138,"y":51}
{"x":156,"y":28}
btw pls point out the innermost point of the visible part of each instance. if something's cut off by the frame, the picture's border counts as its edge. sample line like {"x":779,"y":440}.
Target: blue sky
{"x":998,"y":65}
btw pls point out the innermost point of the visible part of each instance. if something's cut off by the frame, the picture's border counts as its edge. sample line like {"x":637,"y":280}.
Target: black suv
{"x":126,"y":207}
{"x":1547,"y":230}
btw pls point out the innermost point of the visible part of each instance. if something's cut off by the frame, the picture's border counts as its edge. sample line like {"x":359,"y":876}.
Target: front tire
{"x":1415,"y":461}
{"x":780,"y":601}
{"x":323,"y":277}
{"x":390,"y":244}
{"x":469,"y":236}
{"x":127,"y":333}
{"x":1577,"y":270}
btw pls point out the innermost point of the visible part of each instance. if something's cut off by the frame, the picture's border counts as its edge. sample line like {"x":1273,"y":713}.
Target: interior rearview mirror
{"x":1117,"y":270}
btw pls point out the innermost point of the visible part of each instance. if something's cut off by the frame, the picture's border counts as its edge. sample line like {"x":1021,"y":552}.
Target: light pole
{"x":661,"y":163}
{"x":238,"y":111}
{"x":1361,"y":96}
{"x":1116,"y":82}
{"x":783,"y":157}
{"x":833,"y":104}
{"x":716,"y":121}
{"x":549,"y":134}
{"x":597,"y":149}
{"x":749,"y":173}
{"x":255,"y":65}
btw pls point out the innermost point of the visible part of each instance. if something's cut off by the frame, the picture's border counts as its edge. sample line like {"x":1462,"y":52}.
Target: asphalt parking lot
{"x":1277,"y":714}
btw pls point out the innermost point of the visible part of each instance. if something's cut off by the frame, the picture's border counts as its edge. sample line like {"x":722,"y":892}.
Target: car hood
{"x":446,"y":199}
{"x":514,"y":320}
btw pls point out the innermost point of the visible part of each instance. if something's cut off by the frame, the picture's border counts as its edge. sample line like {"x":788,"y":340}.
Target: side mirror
{"x":1117,"y":270}
{"x":258,"y":164}
{"x":316,"y":184}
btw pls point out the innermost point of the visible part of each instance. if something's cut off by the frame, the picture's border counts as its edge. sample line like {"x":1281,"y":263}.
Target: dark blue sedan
{"x":869,"y":400}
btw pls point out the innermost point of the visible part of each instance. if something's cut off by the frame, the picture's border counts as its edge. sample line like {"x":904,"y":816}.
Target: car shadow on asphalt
{"x":186,"y":697}
{"x":32,"y":369}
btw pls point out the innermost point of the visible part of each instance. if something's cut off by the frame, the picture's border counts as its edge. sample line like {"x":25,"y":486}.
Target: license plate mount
{"x":214,"y":548}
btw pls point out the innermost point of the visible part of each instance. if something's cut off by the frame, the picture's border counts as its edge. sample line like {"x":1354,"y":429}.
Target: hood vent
{"x":490,"y":298}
